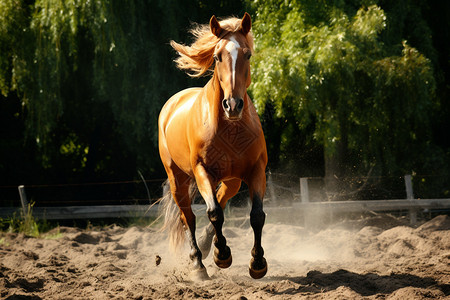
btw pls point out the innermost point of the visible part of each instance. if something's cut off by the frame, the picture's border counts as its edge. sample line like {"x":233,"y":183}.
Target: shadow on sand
{"x":364,"y":284}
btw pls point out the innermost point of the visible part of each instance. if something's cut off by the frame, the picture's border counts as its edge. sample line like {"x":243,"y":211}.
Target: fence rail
{"x":89,"y":212}
{"x":300,"y":207}
{"x":375,"y":205}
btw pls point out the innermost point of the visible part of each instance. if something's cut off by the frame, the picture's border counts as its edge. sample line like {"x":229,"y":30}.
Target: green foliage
{"x":54,"y":235}
{"x":369,"y":104}
{"x":25,"y":224}
{"x":92,"y":76}
{"x":13,"y":32}
{"x":95,"y":60}
{"x":29,"y":226}
{"x":87,"y":73}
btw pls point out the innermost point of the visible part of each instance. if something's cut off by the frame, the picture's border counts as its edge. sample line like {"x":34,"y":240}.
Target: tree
{"x":91,"y":77}
{"x":368,"y":102}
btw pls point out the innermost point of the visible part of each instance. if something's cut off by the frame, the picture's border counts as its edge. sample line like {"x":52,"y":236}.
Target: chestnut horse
{"x":211,"y":138}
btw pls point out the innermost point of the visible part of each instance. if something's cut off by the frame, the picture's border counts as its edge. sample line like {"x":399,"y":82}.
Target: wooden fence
{"x":302,"y":207}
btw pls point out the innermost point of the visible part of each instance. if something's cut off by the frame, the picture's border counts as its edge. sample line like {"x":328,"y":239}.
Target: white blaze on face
{"x":232,"y":47}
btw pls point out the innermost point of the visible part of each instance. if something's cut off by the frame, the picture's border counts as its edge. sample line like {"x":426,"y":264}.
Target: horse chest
{"x":230,"y":150}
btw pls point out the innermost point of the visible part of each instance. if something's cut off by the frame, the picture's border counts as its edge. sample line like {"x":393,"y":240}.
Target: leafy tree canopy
{"x":325,"y":63}
{"x":92,"y":75}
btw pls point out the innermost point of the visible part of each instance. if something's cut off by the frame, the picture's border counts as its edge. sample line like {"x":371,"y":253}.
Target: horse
{"x":210,"y":140}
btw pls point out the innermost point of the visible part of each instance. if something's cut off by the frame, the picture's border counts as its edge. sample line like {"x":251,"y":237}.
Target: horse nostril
{"x":240,"y":104}
{"x":225,"y":104}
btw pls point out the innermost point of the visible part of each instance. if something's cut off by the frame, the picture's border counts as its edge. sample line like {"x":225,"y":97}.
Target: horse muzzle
{"x":233,"y":108}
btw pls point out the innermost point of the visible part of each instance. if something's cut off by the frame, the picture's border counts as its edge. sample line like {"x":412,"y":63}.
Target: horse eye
{"x":216,"y":58}
{"x":249,"y":55}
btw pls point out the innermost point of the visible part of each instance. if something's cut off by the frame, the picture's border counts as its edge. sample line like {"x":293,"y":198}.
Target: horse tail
{"x":172,"y":216}
{"x":172,"y":219}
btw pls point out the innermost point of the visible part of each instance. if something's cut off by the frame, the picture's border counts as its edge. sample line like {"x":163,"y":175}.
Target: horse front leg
{"x":226,"y":190}
{"x":258,"y":264}
{"x":222,"y":253}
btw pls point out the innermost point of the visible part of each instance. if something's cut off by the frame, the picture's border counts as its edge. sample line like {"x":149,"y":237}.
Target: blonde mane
{"x":197,"y":58}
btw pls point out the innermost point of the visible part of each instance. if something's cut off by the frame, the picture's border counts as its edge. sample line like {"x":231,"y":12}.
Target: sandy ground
{"x":380,"y":258}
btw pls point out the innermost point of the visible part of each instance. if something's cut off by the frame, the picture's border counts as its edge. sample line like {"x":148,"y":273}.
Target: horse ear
{"x":215,"y":26}
{"x":246,"y":24}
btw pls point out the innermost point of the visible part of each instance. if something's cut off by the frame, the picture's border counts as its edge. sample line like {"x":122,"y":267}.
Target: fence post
{"x":409,"y":189}
{"x":304,"y":194}
{"x":304,"y":191}
{"x":410,"y":196}
{"x":23,"y":200}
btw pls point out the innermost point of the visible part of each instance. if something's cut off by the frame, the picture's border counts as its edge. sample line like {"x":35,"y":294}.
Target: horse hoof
{"x":258,"y":273}
{"x":199,"y":275}
{"x":223,"y":263}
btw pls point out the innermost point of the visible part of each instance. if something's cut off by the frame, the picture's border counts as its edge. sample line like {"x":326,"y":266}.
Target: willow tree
{"x":92,"y":76}
{"x":366,"y":103}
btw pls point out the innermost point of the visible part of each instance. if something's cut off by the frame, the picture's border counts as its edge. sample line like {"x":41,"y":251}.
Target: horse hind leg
{"x":179,"y":187}
{"x":205,"y":239}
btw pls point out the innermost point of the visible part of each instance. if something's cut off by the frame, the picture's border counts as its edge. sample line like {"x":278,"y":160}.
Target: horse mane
{"x":197,"y":58}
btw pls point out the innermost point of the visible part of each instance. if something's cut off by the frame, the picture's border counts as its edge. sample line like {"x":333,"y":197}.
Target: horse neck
{"x":214,"y":96}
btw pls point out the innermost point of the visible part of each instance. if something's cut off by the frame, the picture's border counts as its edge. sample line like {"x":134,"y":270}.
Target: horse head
{"x":232,"y":65}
